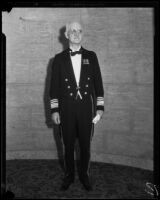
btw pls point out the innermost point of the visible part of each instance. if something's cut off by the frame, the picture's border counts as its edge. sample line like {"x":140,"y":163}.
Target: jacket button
{"x":85,"y":93}
{"x":66,"y":79}
{"x":86,"y":85}
{"x":88,"y":78}
{"x":71,"y":94}
{"x":68,"y":86}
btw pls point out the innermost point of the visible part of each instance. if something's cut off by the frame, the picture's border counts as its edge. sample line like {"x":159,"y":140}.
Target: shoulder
{"x":61,"y":54}
{"x":58,"y":57}
{"x":89,"y":52}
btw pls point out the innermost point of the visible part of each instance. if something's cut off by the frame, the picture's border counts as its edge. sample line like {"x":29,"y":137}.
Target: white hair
{"x":68,"y":27}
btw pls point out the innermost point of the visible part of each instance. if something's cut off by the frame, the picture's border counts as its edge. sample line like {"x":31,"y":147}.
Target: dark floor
{"x":41,"y":179}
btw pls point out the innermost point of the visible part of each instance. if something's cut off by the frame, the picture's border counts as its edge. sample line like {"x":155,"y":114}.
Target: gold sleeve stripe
{"x":54,"y":103}
{"x":100,"y":101}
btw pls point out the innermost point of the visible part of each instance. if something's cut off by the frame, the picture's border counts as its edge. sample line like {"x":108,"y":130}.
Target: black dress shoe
{"x":86,"y":183}
{"x":66,"y":183}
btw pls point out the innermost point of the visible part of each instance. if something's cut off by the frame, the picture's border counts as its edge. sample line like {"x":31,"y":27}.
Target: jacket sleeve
{"x":98,"y":85}
{"x":55,"y":86}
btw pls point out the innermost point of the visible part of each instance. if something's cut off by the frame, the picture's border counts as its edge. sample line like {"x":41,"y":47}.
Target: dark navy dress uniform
{"x":76,"y":104}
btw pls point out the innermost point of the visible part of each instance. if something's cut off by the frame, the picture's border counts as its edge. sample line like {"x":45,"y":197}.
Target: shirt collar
{"x":76,"y":50}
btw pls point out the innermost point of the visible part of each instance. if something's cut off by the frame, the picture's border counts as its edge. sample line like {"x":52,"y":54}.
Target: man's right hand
{"x":56,"y":118}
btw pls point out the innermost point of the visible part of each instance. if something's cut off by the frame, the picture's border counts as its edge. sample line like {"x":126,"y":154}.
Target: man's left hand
{"x":98,"y":116}
{"x":100,"y":112}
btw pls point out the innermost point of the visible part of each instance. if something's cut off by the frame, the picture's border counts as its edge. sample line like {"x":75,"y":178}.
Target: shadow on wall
{"x":46,"y":98}
{"x":62,"y":39}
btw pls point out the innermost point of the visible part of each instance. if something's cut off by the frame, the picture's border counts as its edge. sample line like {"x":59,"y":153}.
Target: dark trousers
{"x":76,"y":122}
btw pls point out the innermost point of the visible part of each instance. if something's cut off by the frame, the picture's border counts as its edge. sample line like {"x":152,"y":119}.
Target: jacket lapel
{"x":83,"y":68}
{"x":69,"y":68}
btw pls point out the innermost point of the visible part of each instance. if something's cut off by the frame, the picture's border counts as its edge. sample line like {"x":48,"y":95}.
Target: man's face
{"x":75,"y":33}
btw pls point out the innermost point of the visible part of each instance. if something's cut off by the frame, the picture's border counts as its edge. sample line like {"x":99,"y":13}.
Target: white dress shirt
{"x":76,"y":63}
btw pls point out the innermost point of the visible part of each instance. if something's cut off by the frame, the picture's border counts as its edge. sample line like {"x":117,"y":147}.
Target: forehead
{"x":75,"y":26}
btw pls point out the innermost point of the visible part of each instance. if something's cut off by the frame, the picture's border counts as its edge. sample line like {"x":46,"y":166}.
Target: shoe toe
{"x":87,"y":185}
{"x":66,"y":183}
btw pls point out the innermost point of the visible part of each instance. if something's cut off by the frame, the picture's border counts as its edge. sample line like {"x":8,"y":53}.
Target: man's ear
{"x":66,"y":34}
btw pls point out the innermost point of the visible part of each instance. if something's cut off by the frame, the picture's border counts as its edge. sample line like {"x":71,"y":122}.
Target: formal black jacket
{"x":63,"y":83}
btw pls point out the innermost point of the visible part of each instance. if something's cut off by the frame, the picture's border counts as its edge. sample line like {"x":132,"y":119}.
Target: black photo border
{"x":7,"y":6}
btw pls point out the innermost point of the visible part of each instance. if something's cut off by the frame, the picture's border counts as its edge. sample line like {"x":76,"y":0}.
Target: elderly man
{"x":76,"y":86}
